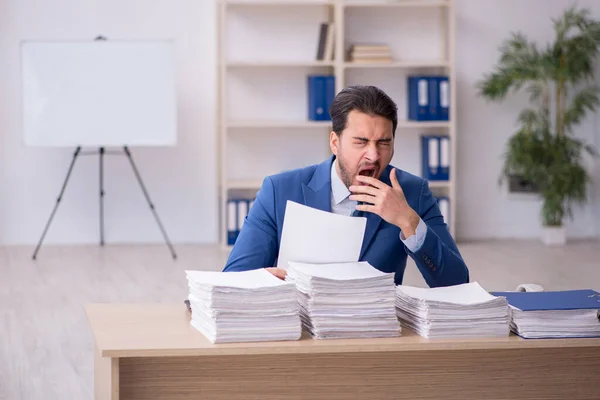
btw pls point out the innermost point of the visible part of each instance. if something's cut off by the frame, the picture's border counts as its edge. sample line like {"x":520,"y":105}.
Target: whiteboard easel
{"x":100,"y":94}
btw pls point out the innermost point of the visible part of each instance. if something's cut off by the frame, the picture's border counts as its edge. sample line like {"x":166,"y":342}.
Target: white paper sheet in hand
{"x":315,"y":236}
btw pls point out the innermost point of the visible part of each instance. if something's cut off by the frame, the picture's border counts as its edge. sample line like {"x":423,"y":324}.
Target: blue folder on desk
{"x":558,"y":314}
{"x":583,"y":299}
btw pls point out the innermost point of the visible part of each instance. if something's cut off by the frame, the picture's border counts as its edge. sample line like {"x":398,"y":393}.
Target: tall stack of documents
{"x":555,"y":314}
{"x":246,"y":306}
{"x":459,"y":311}
{"x":345,"y":300}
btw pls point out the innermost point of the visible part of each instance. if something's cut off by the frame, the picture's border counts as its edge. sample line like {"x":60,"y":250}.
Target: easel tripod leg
{"x":62,"y":191}
{"x":139,"y":178}
{"x":101,"y":196}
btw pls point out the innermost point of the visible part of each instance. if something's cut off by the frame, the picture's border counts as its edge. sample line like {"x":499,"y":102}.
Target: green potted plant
{"x":559,"y":80}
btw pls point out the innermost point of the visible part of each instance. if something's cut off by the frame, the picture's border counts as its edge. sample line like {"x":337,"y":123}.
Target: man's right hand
{"x":278,"y":272}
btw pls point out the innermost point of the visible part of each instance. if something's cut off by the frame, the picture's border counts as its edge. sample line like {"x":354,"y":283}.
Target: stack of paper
{"x":345,"y":300}
{"x":458,"y":311}
{"x":557,"y":314}
{"x":246,"y":306}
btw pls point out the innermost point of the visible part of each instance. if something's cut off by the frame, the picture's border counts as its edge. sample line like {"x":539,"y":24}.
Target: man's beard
{"x":347,"y":176}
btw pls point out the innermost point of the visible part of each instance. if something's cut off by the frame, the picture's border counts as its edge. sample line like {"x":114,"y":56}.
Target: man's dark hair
{"x":367,"y":99}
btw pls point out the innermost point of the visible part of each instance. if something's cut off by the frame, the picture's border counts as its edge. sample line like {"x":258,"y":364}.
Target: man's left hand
{"x":387,"y":202}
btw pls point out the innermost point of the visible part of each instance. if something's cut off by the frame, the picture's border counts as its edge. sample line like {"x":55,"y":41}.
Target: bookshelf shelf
{"x":278,"y":64}
{"x":278,"y":3}
{"x":279,"y":124}
{"x":267,"y":48}
{"x":244,"y":184}
{"x":395,"y":3}
{"x":423,"y":124}
{"x":439,"y":184}
{"x":398,"y":64}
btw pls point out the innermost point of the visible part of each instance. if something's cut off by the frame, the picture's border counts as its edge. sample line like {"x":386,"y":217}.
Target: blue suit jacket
{"x":438,"y":258}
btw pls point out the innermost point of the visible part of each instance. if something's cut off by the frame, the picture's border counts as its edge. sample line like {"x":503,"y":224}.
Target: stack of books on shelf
{"x":459,"y":311}
{"x":554,"y":314}
{"x":428,"y":97}
{"x":444,"y":206}
{"x":237,"y":211}
{"x":435,"y":157}
{"x":370,"y":53}
{"x":345,"y":300}
{"x":246,"y":306}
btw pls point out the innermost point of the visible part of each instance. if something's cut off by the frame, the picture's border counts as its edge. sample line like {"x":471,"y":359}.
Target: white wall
{"x":180,"y":180}
{"x":485,"y":209}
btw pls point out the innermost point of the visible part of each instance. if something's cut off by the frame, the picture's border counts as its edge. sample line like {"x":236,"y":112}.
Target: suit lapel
{"x":373,"y":222}
{"x":319,"y":199}
{"x":317,"y":193}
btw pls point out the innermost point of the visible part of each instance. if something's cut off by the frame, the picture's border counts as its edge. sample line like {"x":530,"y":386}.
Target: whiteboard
{"x":98,"y":93}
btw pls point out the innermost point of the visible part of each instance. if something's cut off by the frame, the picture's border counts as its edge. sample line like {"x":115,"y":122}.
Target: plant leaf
{"x":586,"y":100}
{"x":518,"y":64}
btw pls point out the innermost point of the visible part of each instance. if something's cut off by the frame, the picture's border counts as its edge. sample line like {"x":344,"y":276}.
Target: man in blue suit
{"x":403,"y":218}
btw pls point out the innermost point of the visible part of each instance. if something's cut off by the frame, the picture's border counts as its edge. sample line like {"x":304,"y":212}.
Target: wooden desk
{"x":151,"y":352}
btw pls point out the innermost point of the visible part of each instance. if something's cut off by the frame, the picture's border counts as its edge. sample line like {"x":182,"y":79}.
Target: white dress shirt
{"x":341,"y":204}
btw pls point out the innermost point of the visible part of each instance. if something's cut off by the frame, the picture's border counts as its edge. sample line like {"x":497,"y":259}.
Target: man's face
{"x":365,"y":147}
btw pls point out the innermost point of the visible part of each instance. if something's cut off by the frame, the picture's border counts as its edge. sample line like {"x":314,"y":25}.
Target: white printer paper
{"x":314,"y":236}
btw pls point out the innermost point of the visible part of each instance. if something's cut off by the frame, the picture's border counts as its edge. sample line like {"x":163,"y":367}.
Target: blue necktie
{"x":358,"y":213}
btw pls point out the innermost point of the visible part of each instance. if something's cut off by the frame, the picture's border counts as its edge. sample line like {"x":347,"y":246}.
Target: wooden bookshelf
{"x":395,"y":3}
{"x":268,"y":45}
{"x":399,"y":64}
{"x":277,"y":3}
{"x":278,"y":64}
{"x":278,"y":124}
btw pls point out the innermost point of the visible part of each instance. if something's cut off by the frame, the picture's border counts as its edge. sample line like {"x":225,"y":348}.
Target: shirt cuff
{"x":414,"y":242}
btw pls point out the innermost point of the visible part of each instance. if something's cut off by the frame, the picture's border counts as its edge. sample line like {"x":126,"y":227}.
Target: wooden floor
{"x":46,"y":345}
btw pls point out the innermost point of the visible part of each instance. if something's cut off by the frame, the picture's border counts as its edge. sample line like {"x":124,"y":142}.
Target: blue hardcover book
{"x":418,"y":94}
{"x":443,"y":86}
{"x":434,"y":98}
{"x":232,"y":218}
{"x":583,"y":299}
{"x":237,"y":211}
{"x":444,"y":157}
{"x":430,"y":157}
{"x":242,"y":213}
{"x":444,"y":206}
{"x":318,"y":109}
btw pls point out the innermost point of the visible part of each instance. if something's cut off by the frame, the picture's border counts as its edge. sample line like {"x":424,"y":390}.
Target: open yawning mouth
{"x":368,"y":170}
